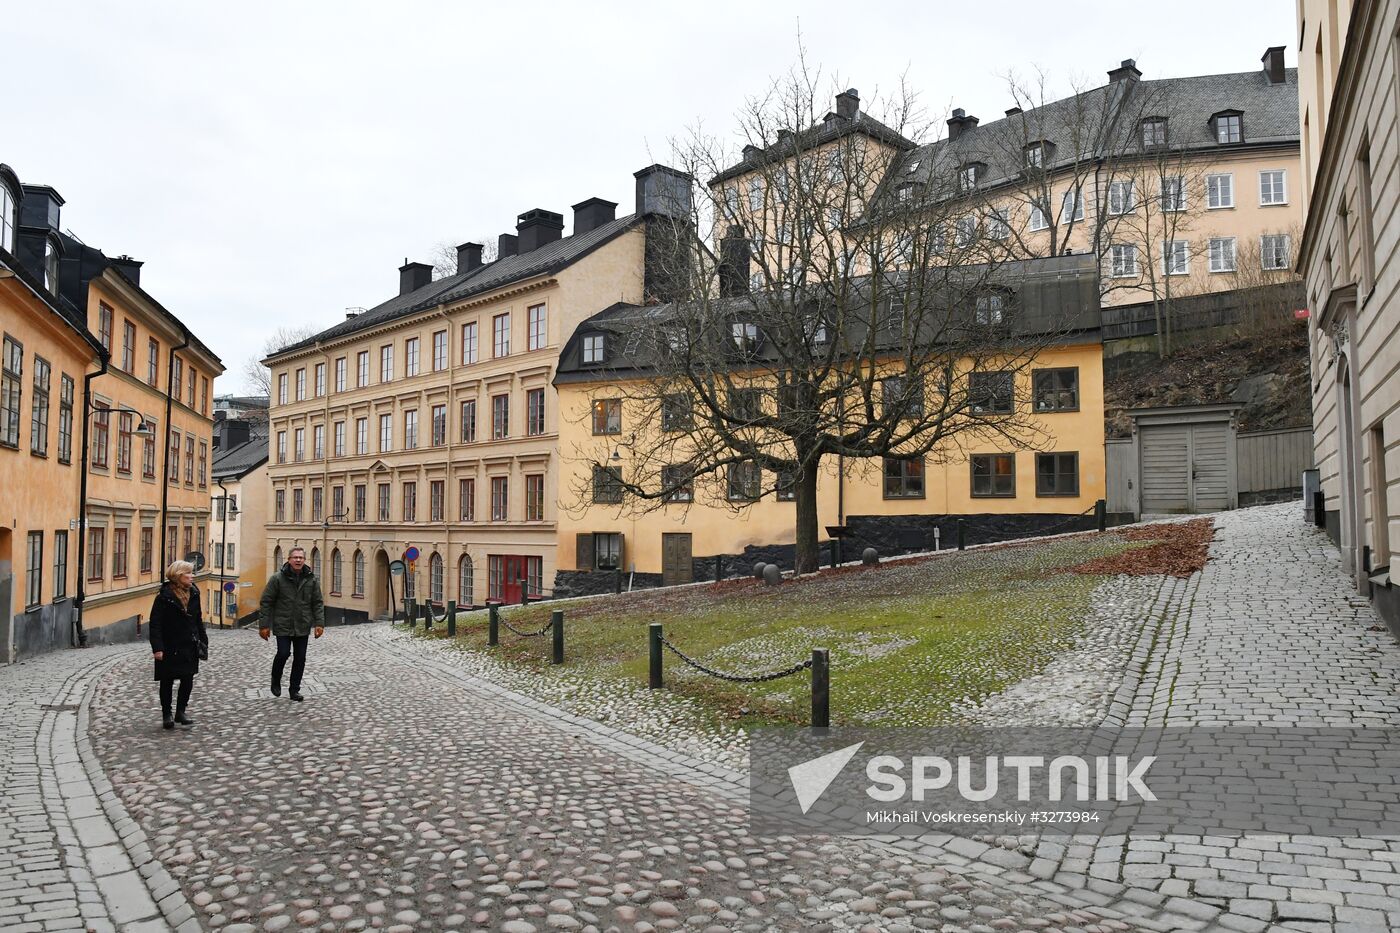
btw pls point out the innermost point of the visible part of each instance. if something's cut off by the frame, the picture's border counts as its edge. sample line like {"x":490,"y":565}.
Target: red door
{"x":507,"y":571}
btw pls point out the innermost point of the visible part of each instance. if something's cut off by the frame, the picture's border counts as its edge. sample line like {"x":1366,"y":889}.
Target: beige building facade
{"x":236,"y":552}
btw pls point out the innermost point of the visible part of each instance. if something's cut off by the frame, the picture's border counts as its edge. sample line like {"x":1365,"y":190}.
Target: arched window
{"x":435,"y":578}
{"x":410,"y":584}
{"x":336,"y":578}
{"x":359,"y":579}
{"x":315,"y":560}
{"x":277,"y":558}
{"x":464,"y":581}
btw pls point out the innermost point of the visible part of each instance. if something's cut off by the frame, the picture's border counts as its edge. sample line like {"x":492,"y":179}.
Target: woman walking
{"x":178,"y":639}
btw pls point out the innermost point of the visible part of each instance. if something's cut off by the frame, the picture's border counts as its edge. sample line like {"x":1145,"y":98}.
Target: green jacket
{"x":292,"y":604}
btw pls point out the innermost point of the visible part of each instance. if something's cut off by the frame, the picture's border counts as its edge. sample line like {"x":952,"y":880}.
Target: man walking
{"x":291,"y":608}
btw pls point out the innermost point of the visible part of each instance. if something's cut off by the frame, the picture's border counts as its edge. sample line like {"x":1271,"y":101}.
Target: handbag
{"x":203,"y":649}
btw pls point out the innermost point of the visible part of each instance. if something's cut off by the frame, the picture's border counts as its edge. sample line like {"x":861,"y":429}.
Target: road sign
{"x":411,"y":554}
{"x":396,"y":567}
{"x":196,"y":558}
{"x":230,"y":586}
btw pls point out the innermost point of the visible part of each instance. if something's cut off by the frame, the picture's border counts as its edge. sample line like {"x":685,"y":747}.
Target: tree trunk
{"x":808,"y":558}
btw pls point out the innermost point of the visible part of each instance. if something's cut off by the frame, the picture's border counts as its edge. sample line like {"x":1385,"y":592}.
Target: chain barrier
{"x":544,"y":631}
{"x":736,"y":678}
{"x":1050,"y":529}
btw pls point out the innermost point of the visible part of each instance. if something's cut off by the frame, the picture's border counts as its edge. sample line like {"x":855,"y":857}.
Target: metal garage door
{"x":1185,"y":467}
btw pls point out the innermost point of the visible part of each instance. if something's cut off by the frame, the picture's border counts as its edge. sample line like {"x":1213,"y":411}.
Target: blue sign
{"x":411,"y":553}
{"x":230,"y":586}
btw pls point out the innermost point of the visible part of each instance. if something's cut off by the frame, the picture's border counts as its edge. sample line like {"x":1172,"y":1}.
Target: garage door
{"x":1185,"y":468}
{"x":1210,"y":471}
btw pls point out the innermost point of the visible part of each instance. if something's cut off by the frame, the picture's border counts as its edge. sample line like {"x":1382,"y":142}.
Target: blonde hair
{"x":172,"y":573}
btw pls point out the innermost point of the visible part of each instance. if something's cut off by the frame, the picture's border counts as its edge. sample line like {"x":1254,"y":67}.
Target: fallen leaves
{"x":1179,"y":549}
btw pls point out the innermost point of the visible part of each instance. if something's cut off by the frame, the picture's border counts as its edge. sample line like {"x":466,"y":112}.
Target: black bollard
{"x":556,"y":619}
{"x":1101,"y":514}
{"x":452,"y":618}
{"x":427,"y":615}
{"x":1320,"y":509}
{"x":493,"y":624}
{"x":821,"y":688}
{"x":524,"y":592}
{"x":617,"y":582}
{"x":654,"y":644}
{"x":408,"y":611}
{"x":719,"y":568}
{"x":962,"y":535}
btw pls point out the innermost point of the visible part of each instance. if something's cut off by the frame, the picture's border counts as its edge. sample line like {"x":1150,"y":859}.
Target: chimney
{"x":469,"y":257}
{"x":663,"y":190}
{"x":1126,"y":71}
{"x":128,"y":267}
{"x":537,"y":227}
{"x":506,"y":245}
{"x":848,"y":103}
{"x":734,"y":263}
{"x":413,"y":276}
{"x":236,"y":433}
{"x":592,"y":214}
{"x":1013,"y":112}
{"x":960,"y":123}
{"x":1273,"y":64}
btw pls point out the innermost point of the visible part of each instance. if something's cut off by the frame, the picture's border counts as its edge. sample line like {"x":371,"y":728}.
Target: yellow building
{"x":428,"y":421}
{"x":609,"y":418}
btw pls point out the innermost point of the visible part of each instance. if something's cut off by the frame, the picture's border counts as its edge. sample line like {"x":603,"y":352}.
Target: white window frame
{"x":1039,"y":219}
{"x":1123,"y":262}
{"x":1266,"y":250}
{"x":1217,"y":254}
{"x":999,"y":224}
{"x":1179,"y":203}
{"x":1119,"y":188}
{"x":1169,"y":249}
{"x":1218,"y":197}
{"x":1072,"y":205}
{"x":1283,"y":187}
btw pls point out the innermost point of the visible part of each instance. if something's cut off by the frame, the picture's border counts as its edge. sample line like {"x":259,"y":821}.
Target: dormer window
{"x":745,"y":335}
{"x":1154,"y":132}
{"x":594,"y":347}
{"x":913,"y":166}
{"x":969,"y":175}
{"x":904,"y":193}
{"x":9,"y":204}
{"x":51,"y":266}
{"x":1035,"y":155}
{"x":1229,"y":127}
{"x":991,"y":309}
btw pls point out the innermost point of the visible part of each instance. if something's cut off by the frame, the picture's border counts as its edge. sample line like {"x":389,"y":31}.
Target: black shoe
{"x":183,"y":720}
{"x":295,"y":696}
{"x":167,"y":721}
{"x":276,"y":686}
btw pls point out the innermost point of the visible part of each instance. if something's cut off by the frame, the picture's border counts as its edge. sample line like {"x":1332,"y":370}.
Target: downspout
{"x":165,"y":465}
{"x":78,"y":638}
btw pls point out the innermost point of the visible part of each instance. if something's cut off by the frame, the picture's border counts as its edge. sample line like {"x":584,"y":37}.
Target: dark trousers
{"x":182,"y":700}
{"x":295,"y":645}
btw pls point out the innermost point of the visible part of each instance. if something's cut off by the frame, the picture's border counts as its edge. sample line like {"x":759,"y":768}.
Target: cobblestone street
{"x":406,"y":794}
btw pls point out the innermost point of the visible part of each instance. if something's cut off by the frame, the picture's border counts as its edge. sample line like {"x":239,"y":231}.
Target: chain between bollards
{"x":654,"y":645}
{"x":493,"y":624}
{"x":556,"y":620}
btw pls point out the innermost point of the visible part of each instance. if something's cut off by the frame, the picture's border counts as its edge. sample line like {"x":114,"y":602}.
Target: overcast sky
{"x":276,"y":162}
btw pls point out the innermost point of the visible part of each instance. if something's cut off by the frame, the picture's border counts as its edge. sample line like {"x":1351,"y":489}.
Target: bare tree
{"x":847,"y":317}
{"x":257,"y":378}
{"x":444,"y":256}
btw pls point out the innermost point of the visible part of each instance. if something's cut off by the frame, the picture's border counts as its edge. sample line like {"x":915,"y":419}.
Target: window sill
{"x":1057,"y":495}
{"x":994,"y":495}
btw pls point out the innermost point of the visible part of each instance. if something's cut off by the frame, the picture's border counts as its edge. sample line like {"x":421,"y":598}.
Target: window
{"x":1154,"y":132}
{"x":1057,"y":474}
{"x":148,"y":455}
{"x":361,"y":502}
{"x":902,"y":395}
{"x":10,"y":391}
{"x":128,"y":347}
{"x":190,"y":385}
{"x":965,"y":231}
{"x":534,"y":575}
{"x":281,"y":446}
{"x":1173,"y":193}
{"x":967,"y":177}
{"x":318,"y":502}
{"x":537,"y":327}
{"x":534,"y":497}
{"x":1035,"y":155}
{"x":386,"y":433}
{"x":101,"y":429}
{"x":904,"y":477}
{"x":745,"y":404}
{"x":990,"y":310}
{"x":339,"y":441}
{"x":500,"y":498}
{"x":96,"y":553}
{"x":500,"y":416}
{"x":104,"y":328}
{"x":679,"y":479}
{"x":119,"y":559}
{"x":358,"y":579}
{"x":1121,"y":197}
{"x":39,"y":411}
{"x":362,"y":368}
{"x":593,"y":348}
{"x":994,"y":475}
{"x":336,"y":580}
{"x":469,"y":343}
{"x":410,"y":502}
{"x":607,"y":484}
{"x":410,"y":356}
{"x":386,"y":362}
{"x":152,"y":362}
{"x":361,"y":436}
{"x":1222,"y":254}
{"x":437,"y":494}
{"x":320,"y":380}
{"x":676,"y":412}
{"x":1274,"y":251}
{"x":383,"y":502}
{"x":172,"y":458}
{"x":281,"y":388}
{"x":991,"y":392}
{"x":1175,"y":258}
{"x":340,"y":365}
{"x":1273,"y":187}
{"x":9,"y":210}
{"x":466,"y":500}
{"x":469,"y":422}
{"x":318,"y":442}
{"x":204,"y":395}
{"x":464,"y":581}
{"x":124,"y":426}
{"x":177,"y":375}
{"x":439,"y":425}
{"x":299,"y":445}
{"x":301,"y":383}
{"x":439,"y":351}
{"x":280,"y":505}
{"x":534,"y":412}
{"x":60,"y":564}
{"x":1123,"y":260}
{"x":65,"y":424}
{"x":337,"y":504}
{"x":410,"y":430}
{"x":1220,"y":191}
{"x":745,"y":481}
{"x":755,"y":194}
{"x":34,"y":571}
{"x":1072,"y":206}
{"x":607,"y":552}
{"x":500,"y":335}
{"x":298,"y":504}
{"x":1055,"y":389}
{"x":1039,"y":217}
{"x":998,"y":224}
{"x":148,"y":550}
{"x":314,"y":561}
{"x":1229,"y":128}
{"x":744,"y":335}
{"x":435,"y":588}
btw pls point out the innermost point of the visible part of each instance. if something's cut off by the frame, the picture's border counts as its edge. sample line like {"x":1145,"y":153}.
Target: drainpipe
{"x":170,"y":389}
{"x":78,"y":638}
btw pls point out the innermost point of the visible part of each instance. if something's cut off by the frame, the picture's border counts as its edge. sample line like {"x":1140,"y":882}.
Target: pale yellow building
{"x":237,"y":553}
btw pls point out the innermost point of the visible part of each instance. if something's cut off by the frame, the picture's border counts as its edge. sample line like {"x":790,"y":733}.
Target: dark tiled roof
{"x":544,"y":260}
{"x":240,"y":460}
{"x":243,"y":401}
{"x":833,"y":127}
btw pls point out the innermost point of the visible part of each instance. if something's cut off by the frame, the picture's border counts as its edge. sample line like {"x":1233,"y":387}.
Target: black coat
{"x":178,"y":631}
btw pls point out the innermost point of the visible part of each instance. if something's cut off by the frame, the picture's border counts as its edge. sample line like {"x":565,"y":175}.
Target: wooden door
{"x":1166,"y":468}
{"x":676,"y":564}
{"x":1210,"y":467}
